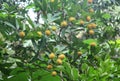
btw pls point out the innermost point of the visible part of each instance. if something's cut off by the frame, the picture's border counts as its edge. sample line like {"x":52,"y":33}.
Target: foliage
{"x":78,"y":40}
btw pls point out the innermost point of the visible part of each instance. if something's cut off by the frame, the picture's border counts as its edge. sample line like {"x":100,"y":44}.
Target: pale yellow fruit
{"x":54,"y":73}
{"x":59,"y":61}
{"x":61,"y":56}
{"x":52,"y":56}
{"x":64,"y":23}
{"x":21,"y":34}
{"x":91,"y":32}
{"x":47,"y":32}
{"x":54,"y":28}
{"x":72,"y":19}
{"x":39,"y":33}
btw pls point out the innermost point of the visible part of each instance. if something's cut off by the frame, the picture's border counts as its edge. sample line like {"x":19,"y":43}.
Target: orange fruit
{"x":88,"y":18}
{"x":71,"y":19}
{"x":81,"y":22}
{"x":90,"y":1}
{"x":93,"y":25}
{"x":91,"y":32}
{"x":54,"y":73}
{"x":52,"y":56}
{"x":49,"y":67}
{"x":89,"y":26}
{"x":79,"y":53}
{"x":93,"y":44}
{"x":64,"y":23}
{"x":22,"y":34}
{"x":47,"y":32}
{"x":61,"y":56}
{"x":59,"y":61}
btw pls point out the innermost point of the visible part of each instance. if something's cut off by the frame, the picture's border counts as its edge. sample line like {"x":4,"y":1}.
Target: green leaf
{"x":106,"y":16}
{"x":75,"y":74}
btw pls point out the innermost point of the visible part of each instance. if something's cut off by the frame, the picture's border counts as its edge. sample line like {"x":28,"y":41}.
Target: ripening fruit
{"x":91,"y":32}
{"x":47,"y":32}
{"x":61,"y":56}
{"x":39,"y":33}
{"x":52,"y":56}
{"x":54,"y":73}
{"x":54,"y":28}
{"x":89,"y":26}
{"x":79,"y":53}
{"x":93,"y":25}
{"x":93,"y":44}
{"x":71,"y":19}
{"x":21,"y":34}
{"x":91,"y":10}
{"x":90,"y":1}
{"x":52,"y":1}
{"x":64,"y":23}
{"x":49,"y":67}
{"x":59,"y":61}
{"x":81,"y":22}
{"x":88,"y":18}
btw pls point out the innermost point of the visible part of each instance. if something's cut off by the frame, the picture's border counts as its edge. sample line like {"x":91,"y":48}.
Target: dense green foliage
{"x":77,"y":41}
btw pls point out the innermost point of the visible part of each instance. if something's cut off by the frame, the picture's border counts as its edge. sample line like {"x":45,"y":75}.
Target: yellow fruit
{"x":52,"y":56}
{"x":91,"y":32}
{"x":47,"y":32}
{"x":49,"y":67}
{"x":79,"y":53}
{"x":21,"y":34}
{"x":88,"y":18}
{"x":61,"y":56}
{"x":89,"y":26}
{"x":71,"y":19}
{"x":93,"y":44}
{"x":54,"y":28}
{"x":64,"y":23}
{"x":52,"y":1}
{"x":81,"y":22}
{"x":39,"y":33}
{"x":59,"y":61}
{"x":91,"y":10}
{"x":93,"y":25}
{"x":90,"y":1}
{"x":54,"y":73}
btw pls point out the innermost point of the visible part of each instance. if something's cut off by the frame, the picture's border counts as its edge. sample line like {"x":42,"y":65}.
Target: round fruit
{"x":71,"y":19}
{"x":61,"y":56}
{"x":81,"y":22}
{"x":52,"y":1}
{"x":49,"y":67}
{"x":21,"y":34}
{"x":90,"y":1}
{"x":89,"y":26}
{"x":54,"y":28}
{"x":79,"y":53}
{"x":91,"y":10}
{"x":47,"y":32}
{"x":59,"y":61}
{"x":52,"y":56}
{"x":54,"y":73}
{"x":93,"y":44}
{"x":93,"y":25}
{"x":88,"y":18}
{"x":91,"y":32}
{"x":64,"y":23}
{"x":39,"y":33}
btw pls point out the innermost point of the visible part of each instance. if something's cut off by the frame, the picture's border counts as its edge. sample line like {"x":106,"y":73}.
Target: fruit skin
{"x":52,"y":1}
{"x":88,"y":18}
{"x":54,"y":28}
{"x":81,"y":22}
{"x":64,"y":23}
{"x":61,"y":56}
{"x":52,"y":56}
{"x":89,"y":26}
{"x":93,"y":44}
{"x":49,"y":67}
{"x":39,"y":33}
{"x":47,"y":32}
{"x":21,"y":34}
{"x":93,"y":25}
{"x":71,"y":19}
{"x":59,"y":61}
{"x":91,"y":10}
{"x":54,"y":73}
{"x":90,"y":1}
{"x":79,"y":53}
{"x":91,"y":32}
